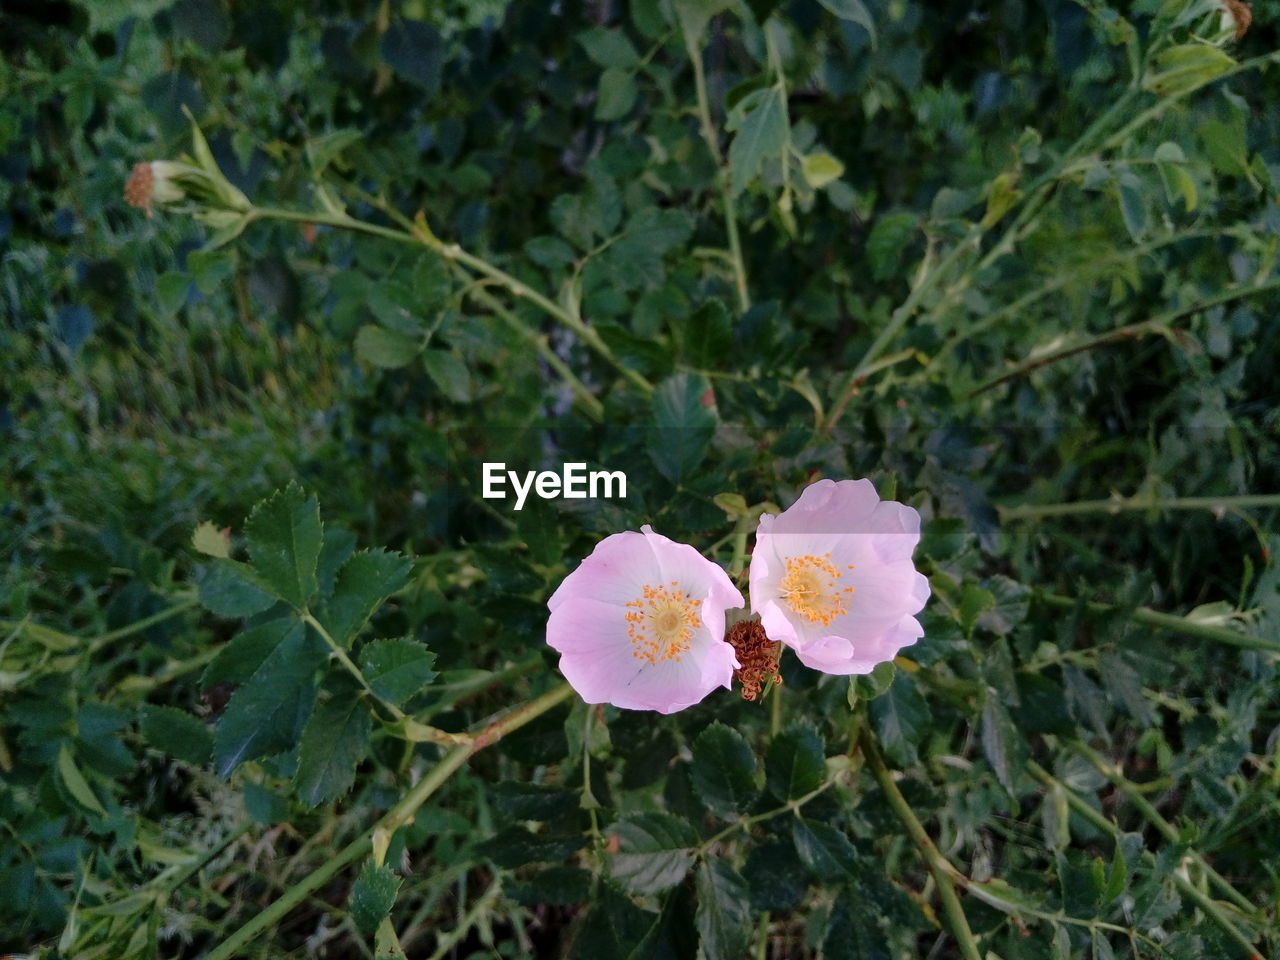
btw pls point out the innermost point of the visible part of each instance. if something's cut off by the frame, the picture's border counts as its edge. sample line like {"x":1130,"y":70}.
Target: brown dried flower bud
{"x":757,"y":654}
{"x":1237,"y":14}
{"x":137,"y":189}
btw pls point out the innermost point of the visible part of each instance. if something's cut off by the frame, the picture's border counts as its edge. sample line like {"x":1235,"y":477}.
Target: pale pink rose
{"x":640,"y":624}
{"x":832,"y":577}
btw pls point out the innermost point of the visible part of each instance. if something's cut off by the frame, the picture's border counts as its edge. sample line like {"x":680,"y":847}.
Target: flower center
{"x":660,"y":623}
{"x":810,"y":588}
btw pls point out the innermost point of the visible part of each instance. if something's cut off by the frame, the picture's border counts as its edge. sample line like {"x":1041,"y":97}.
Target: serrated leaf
{"x":372,"y":896}
{"x":448,"y":373}
{"x":237,"y":661}
{"x":654,"y":851}
{"x":386,"y":945}
{"x":706,"y":337}
{"x":284,"y":537}
{"x":823,"y":849}
{"x":854,"y":932}
{"x":556,"y":886}
{"x":1002,"y":744}
{"x":723,"y":771}
{"x":76,"y":784}
{"x":795,"y":763}
{"x":762,"y":135}
{"x":362,"y":585}
{"x":723,"y":918}
{"x":531,"y":801}
{"x":685,"y":422}
{"x":385,"y":348}
{"x":901,"y":718}
{"x":886,"y":242}
{"x":515,"y":846}
{"x":226,"y":591}
{"x":176,"y":733}
{"x":868,"y":686}
{"x":211,"y":541}
{"x":397,"y":669}
{"x":266,"y":715}
{"x":334,"y":742}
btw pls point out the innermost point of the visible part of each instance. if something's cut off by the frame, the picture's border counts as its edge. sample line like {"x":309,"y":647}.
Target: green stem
{"x":1156,"y":324}
{"x":938,"y":865}
{"x":1153,"y":816}
{"x":1185,"y":886}
{"x":97,"y":643}
{"x":1034,"y":511}
{"x":722,"y":170}
{"x":1169,"y":621}
{"x":349,"y":665}
{"x":453,"y":252}
{"x":399,"y":815}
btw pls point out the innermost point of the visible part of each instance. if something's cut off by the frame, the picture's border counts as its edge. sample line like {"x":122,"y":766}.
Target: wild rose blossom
{"x":640,"y":624}
{"x":832,"y":578}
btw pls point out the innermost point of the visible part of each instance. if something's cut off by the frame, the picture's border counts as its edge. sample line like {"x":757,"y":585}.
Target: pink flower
{"x":640,"y":624}
{"x":832,"y":577}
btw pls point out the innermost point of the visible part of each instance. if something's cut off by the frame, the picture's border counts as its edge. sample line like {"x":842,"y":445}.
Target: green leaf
{"x":855,"y":11}
{"x":1002,"y":744}
{"x":385,"y":348}
{"x":397,"y":669}
{"x":555,"y":886}
{"x":284,"y":537}
{"x":176,"y":733}
{"x":515,"y":846}
{"x":1178,"y":184}
{"x":694,"y":15}
{"x":820,"y":169}
{"x":616,"y":94}
{"x":211,"y":541}
{"x":266,"y":715}
{"x":609,"y":48}
{"x":887,"y":241}
{"x":449,"y":374}
{"x":386,"y":945}
{"x":795,"y":763}
{"x":823,"y":849}
{"x":724,"y":917}
{"x":76,"y":784}
{"x":362,"y":585}
{"x":1000,"y":199}
{"x":762,"y":135}
{"x":706,"y":337}
{"x":334,"y":742}
{"x":654,"y":851}
{"x":868,"y":686}
{"x":901,"y":718}
{"x":723,"y":771}
{"x":237,"y":661}
{"x":324,"y":149}
{"x":1011,"y":600}
{"x":531,"y":801}
{"x":372,"y":896}
{"x":1183,"y":68}
{"x":226,"y":591}
{"x":685,"y":416}
{"x":854,"y":931}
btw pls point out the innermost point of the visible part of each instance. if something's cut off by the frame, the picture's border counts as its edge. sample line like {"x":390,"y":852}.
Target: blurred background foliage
{"x":1013,"y":261}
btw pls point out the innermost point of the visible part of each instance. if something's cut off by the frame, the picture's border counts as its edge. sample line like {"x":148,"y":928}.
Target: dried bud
{"x":160,"y":182}
{"x":1236,"y":16}
{"x":757,"y":654}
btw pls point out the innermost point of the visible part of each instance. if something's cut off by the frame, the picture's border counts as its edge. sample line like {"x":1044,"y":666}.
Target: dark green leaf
{"x":397,"y":669}
{"x":761,"y":136}
{"x":244,"y":653}
{"x":334,"y":742}
{"x":515,"y":846}
{"x":284,"y":538}
{"x":795,"y":763}
{"x":723,"y":771}
{"x":654,"y":851}
{"x":176,"y":733}
{"x":362,"y":584}
{"x":224,"y":590}
{"x":372,"y":896}
{"x":854,"y":932}
{"x":385,"y":348}
{"x":823,"y":849}
{"x":724,"y":916}
{"x":684,"y":413}
{"x":901,"y":718}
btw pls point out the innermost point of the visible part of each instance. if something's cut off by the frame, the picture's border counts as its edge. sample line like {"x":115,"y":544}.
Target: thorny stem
{"x":1169,"y":621}
{"x":398,"y":816}
{"x":1185,"y":886}
{"x":726,"y":190}
{"x":453,"y":252}
{"x":1116,"y":504}
{"x":1162,"y":826}
{"x":941,"y":868}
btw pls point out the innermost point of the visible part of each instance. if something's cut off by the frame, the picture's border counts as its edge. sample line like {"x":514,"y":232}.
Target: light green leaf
{"x":762,"y":135}
{"x":820,"y":169}
{"x":211,"y":541}
{"x":616,"y":94}
{"x":1183,"y":68}
{"x":855,"y":11}
{"x":372,"y":896}
{"x":76,"y":784}
{"x":284,"y":537}
{"x":901,"y":718}
{"x":609,"y":48}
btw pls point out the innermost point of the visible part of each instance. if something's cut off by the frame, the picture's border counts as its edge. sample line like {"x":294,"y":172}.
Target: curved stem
{"x":1169,"y":621}
{"x":941,"y":868}
{"x":399,"y":815}
{"x":722,"y":170}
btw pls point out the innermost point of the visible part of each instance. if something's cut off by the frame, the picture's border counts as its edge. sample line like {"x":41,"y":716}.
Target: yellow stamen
{"x":810,"y":588}
{"x":660,"y":623}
